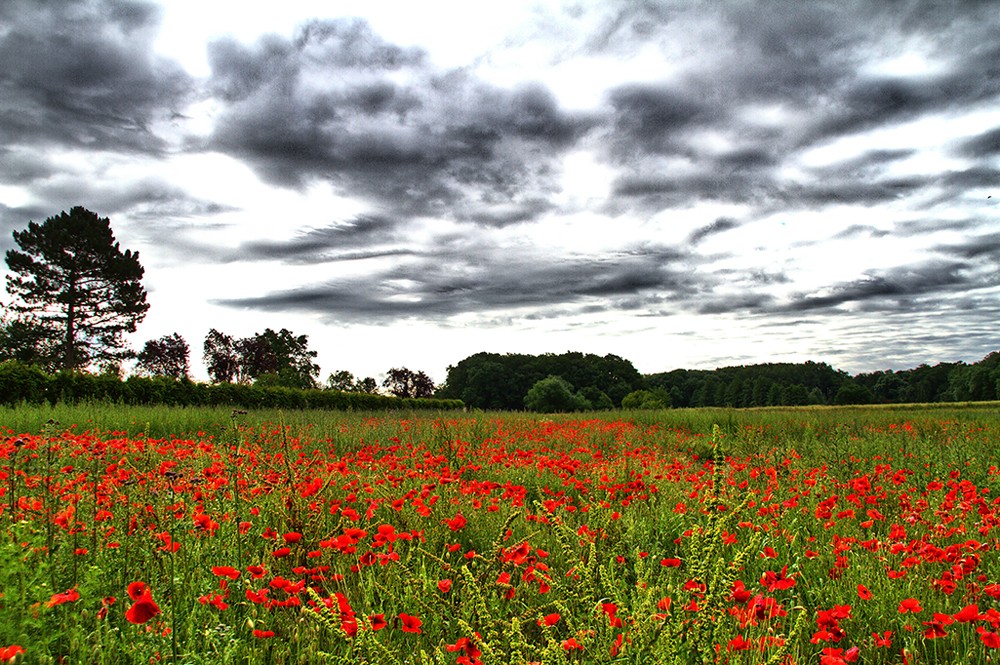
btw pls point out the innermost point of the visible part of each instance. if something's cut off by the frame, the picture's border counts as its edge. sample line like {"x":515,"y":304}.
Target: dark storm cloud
{"x":338,"y":103}
{"x":812,"y":62}
{"x":720,"y":225}
{"x":81,"y":74}
{"x":481,"y":279}
{"x":986,"y":144}
{"x":890,"y":289}
{"x":359,"y":238}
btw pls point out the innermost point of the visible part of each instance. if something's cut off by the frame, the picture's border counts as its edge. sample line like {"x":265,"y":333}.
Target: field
{"x":689,"y":536}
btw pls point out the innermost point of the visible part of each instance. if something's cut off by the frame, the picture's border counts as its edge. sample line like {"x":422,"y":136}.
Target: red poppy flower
{"x":225,"y":571}
{"x":142,"y":610}
{"x":377,"y":621}
{"x":137,"y":590}
{"x":281,"y":552}
{"x":991,"y":640}
{"x":909,"y":605}
{"x":549,"y":619}
{"x":883,"y":640}
{"x":967,"y":613}
{"x":292,"y":537}
{"x":410,"y":623}
{"x":864,"y":593}
{"x":457,"y":522}
{"x":444,"y":586}
{"x":68,"y":596}
{"x":262,"y":634}
{"x":8,"y":654}
{"x":571,"y":644}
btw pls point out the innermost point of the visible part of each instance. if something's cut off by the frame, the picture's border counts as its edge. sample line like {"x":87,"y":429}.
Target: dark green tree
{"x":291,"y":357}
{"x":341,"y":380}
{"x":554,"y":394}
{"x":167,"y":356}
{"x":220,"y":357}
{"x":72,"y":277}
{"x":403,"y":382}
{"x":26,"y":340}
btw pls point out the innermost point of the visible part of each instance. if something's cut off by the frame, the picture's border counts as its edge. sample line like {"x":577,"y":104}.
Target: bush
{"x":647,"y":400}
{"x":20,"y":382}
{"x":554,"y":394}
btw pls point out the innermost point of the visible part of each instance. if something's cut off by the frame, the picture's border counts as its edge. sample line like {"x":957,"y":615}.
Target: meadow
{"x":812,"y":535}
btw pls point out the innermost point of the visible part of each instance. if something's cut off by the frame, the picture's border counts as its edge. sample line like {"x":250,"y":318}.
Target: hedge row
{"x":27,"y":383}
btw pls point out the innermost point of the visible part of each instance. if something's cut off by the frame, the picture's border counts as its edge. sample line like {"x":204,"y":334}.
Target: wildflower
{"x":990,"y":639}
{"x":410,"y":623}
{"x":144,"y":608}
{"x":457,"y":522}
{"x":864,"y":593}
{"x":444,"y":586}
{"x":571,"y":644}
{"x":8,"y":654}
{"x":967,"y":613}
{"x":225,"y":571}
{"x":909,"y":605}
{"x":377,"y":621}
{"x":262,"y":634}
{"x":883,"y":640}
{"x":549,"y":619}
{"x":68,"y":596}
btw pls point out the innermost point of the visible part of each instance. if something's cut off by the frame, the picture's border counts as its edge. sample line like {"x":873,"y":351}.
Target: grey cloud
{"x":419,"y":142}
{"x":360,"y":238}
{"x":720,"y":225}
{"x":889,"y":289}
{"x":986,"y":144}
{"x":484,"y":279}
{"x":82,"y":74}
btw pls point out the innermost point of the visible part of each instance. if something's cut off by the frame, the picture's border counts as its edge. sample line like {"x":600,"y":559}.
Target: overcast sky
{"x":683,"y":184}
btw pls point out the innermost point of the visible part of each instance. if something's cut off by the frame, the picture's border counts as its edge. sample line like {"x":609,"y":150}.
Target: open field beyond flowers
{"x":692,"y":536}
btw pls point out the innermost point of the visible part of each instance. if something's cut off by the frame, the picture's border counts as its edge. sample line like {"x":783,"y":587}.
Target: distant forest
{"x":495,"y":381}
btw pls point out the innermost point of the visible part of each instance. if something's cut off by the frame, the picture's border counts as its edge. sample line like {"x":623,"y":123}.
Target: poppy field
{"x":829,"y":536}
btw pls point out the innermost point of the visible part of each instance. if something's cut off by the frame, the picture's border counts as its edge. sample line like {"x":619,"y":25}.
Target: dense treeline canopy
{"x":494,"y":381}
{"x":791,"y":384}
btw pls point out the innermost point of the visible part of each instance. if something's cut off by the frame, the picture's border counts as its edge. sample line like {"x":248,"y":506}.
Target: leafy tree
{"x":292,"y":357}
{"x":345,"y":381}
{"x":220,"y":357}
{"x":255,"y":357}
{"x":366,"y":385}
{"x":853,"y":393}
{"x":71,"y":275}
{"x":281,"y":356}
{"x":402,"y":382}
{"x":598,"y":398}
{"x":341,"y":380}
{"x":26,"y":340}
{"x":554,"y":394}
{"x":647,"y":400}
{"x":167,"y":356}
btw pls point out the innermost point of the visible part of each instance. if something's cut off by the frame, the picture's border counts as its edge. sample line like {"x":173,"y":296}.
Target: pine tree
{"x":72,"y":277}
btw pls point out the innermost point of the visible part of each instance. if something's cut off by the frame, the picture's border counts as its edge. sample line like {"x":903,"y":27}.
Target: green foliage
{"x":495,"y":381}
{"x":85,"y":293}
{"x":853,"y":393}
{"x":647,"y":399}
{"x":403,"y":382}
{"x":554,"y":394}
{"x":167,"y":356}
{"x":20,"y":382}
{"x":28,"y":340}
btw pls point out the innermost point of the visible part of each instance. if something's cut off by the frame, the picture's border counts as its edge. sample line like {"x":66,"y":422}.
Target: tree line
{"x":76,"y":293}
